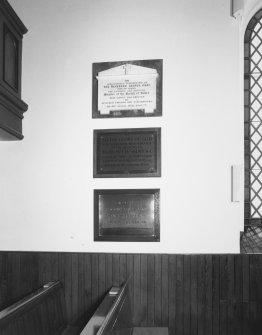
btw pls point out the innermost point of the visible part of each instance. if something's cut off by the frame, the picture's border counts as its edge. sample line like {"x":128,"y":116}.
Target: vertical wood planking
{"x":95,"y":278}
{"x":215,"y":293}
{"x":137,"y":290}
{"x":109,"y":271}
{"x":158,"y":290}
{"x":186,"y":294}
{"x":179,"y":292}
{"x":74,"y":286}
{"x":192,"y":294}
{"x":67,"y":261}
{"x":255,"y":278}
{"x":3,"y":280}
{"x":223,"y":322}
{"x":172,"y":293}
{"x":44,"y":267}
{"x":122,"y":269}
{"x":254,"y":318}
{"x":21,"y":326}
{"x":207,"y":293}
{"x":201,"y":296}
{"x":259,"y":313}
{"x":246,"y":282}
{"x":224,"y":294}
{"x":238,"y":296}
{"x":245,"y":322}
{"x":231,"y":277}
{"x":13,"y":277}
{"x":231,"y":293}
{"x":130,"y":275}
{"x":87,"y":282}
{"x":54,"y":266}
{"x":144,"y":291}
{"x":81,"y":285}
{"x":164,"y":288}
{"x":116,"y":272}
{"x":150,"y":290}
{"x":28,"y":273}
{"x":61,"y":268}
{"x":223,"y":270}
{"x":102,"y":275}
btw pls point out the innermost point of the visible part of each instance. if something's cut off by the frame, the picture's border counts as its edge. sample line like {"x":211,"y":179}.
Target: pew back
{"x":113,"y":313}
{"x":114,"y":317}
{"x":40,"y":313}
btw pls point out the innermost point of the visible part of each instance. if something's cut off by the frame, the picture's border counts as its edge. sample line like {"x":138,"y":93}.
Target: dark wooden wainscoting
{"x":192,"y":294}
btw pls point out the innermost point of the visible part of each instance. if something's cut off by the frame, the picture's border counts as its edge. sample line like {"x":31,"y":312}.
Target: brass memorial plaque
{"x":127,"y":152}
{"x":127,"y":88}
{"x":126,"y":215}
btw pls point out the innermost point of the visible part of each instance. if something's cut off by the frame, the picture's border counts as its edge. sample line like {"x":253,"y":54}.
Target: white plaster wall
{"x":46,"y":184}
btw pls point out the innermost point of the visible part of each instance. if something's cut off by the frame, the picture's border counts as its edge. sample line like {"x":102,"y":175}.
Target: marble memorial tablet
{"x":126,"y":215}
{"x":127,"y":152}
{"x":129,"y":88}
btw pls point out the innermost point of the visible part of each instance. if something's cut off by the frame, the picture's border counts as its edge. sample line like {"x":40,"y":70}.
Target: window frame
{"x":249,"y":220}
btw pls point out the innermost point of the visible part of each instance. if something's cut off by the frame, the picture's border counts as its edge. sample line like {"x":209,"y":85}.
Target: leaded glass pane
{"x":253,"y":122}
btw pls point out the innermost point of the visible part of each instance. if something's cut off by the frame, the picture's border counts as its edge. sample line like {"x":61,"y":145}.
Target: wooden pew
{"x":114,"y":317}
{"x":40,"y":313}
{"x":43,"y":313}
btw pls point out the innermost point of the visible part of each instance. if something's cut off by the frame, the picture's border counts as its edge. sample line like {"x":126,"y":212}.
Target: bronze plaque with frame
{"x":127,"y":88}
{"x":124,"y":153}
{"x":127,"y":215}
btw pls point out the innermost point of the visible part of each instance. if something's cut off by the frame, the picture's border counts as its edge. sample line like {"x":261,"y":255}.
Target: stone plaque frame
{"x":138,"y":71}
{"x":117,"y":214}
{"x":125,"y":153}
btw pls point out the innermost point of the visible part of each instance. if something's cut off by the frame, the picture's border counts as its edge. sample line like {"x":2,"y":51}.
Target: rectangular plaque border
{"x":96,"y":174}
{"x":152,"y":63}
{"x":117,"y":236}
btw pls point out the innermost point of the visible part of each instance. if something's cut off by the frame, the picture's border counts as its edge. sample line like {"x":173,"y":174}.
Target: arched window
{"x":253,"y":121}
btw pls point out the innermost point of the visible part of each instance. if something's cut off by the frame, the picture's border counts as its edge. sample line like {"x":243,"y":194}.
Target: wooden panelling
{"x":192,"y":294}
{"x":11,"y":105}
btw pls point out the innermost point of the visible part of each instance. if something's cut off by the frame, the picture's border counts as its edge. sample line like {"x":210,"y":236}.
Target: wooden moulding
{"x":12,"y":17}
{"x":11,"y":116}
{"x":11,"y":105}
